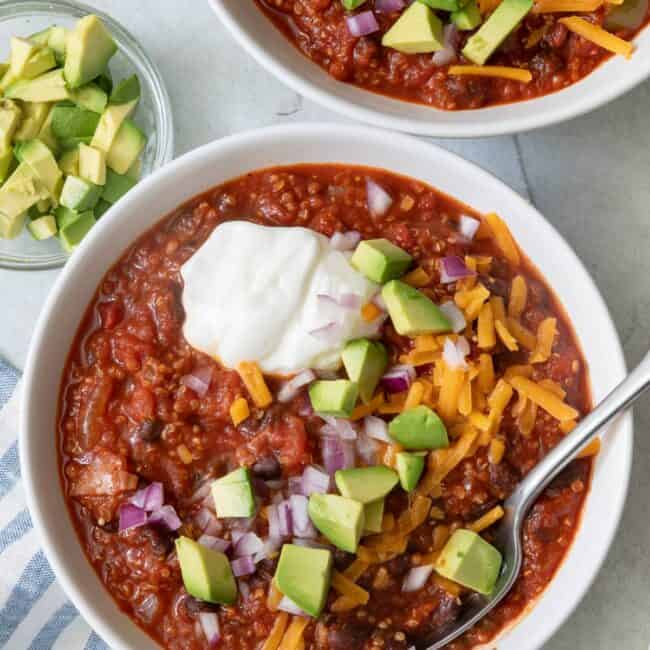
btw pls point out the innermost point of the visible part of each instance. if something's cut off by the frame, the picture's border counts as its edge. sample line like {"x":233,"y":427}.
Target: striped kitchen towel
{"x":34,"y":612}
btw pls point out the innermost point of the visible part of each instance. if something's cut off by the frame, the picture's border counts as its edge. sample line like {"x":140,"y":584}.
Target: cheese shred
{"x":502,"y":71}
{"x":598,"y":35}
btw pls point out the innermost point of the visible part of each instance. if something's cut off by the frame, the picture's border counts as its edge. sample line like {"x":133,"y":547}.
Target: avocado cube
{"x":128,"y":144}
{"x":126,"y":91}
{"x":40,"y":38}
{"x":351,"y":5}
{"x":10,"y":116}
{"x":20,"y":192}
{"x":91,"y":97}
{"x":109,"y":124}
{"x":6,"y":159}
{"x":380,"y":260}
{"x":79,"y":194}
{"x":470,"y":561}
{"x":442,"y":5}
{"x":41,"y":61}
{"x":117,"y":185}
{"x":411,"y":312}
{"x":70,"y":121}
{"x":409,"y":467}
{"x":72,"y":234}
{"x":64,"y":216}
{"x":207,"y":574}
{"x":49,"y":87}
{"x":89,"y":48}
{"x":340,"y":519}
{"x":374,"y":514}
{"x":304,"y":575}
{"x":366,"y":484}
{"x":34,"y":116}
{"x":419,"y":428}
{"x":417,"y":30}
{"x":21,"y":49}
{"x":11,"y":227}
{"x":46,"y":136}
{"x":101,"y":208}
{"x":501,"y":23}
{"x":92,"y":164}
{"x":365,"y":362}
{"x":53,"y":37}
{"x":43,"y":164}
{"x":335,"y":397}
{"x":467,"y":17}
{"x":233,"y":494}
{"x":69,"y":162}
{"x":43,"y":227}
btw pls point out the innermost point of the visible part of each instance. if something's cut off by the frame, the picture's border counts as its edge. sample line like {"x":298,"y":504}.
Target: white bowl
{"x":255,"y":33}
{"x":225,"y":159}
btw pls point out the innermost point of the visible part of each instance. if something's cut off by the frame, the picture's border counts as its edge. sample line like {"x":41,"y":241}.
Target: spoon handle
{"x":627,"y":392}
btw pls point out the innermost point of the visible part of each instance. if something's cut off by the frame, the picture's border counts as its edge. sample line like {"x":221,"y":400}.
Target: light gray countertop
{"x":589,"y":177}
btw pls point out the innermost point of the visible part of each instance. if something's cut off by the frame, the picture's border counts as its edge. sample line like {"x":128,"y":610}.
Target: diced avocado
{"x":40,"y":38}
{"x":629,"y":15}
{"x":117,"y":185}
{"x":467,"y":17}
{"x":40,"y":209}
{"x":34,"y":116}
{"x":233,"y":494}
{"x":69,"y":162}
{"x":417,"y":30}
{"x":135,"y":170}
{"x":374,"y":513}
{"x":43,"y":227}
{"x":110,"y":123}
{"x":73,"y":143}
{"x":303,"y":575}
{"x":366,"y":484}
{"x":53,"y":37}
{"x":64,"y":216}
{"x":340,"y":519}
{"x":40,"y":62}
{"x":20,"y":192}
{"x":10,"y":116}
{"x":351,"y":5}
{"x":471,"y":561}
{"x":21,"y":51}
{"x":442,"y":5}
{"x":43,"y":164}
{"x":46,"y":136}
{"x":207,"y":574}
{"x":105,"y":82}
{"x":365,"y":362}
{"x":91,"y":97}
{"x":11,"y":227}
{"x":501,"y":23}
{"x":333,"y":397}
{"x":380,"y":260}
{"x":69,"y":121}
{"x":3,"y":69}
{"x":419,"y":428}
{"x":6,"y":158}
{"x":411,"y":312}
{"x":410,"y":468}
{"x":79,"y":195}
{"x":127,"y":146}
{"x":92,"y":164}
{"x":73,"y":233}
{"x":49,"y":87}
{"x":101,"y":208}
{"x":126,"y":91}
{"x":89,"y":48}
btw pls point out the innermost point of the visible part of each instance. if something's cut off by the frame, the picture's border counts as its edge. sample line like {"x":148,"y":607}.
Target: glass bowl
{"x":154,"y":116}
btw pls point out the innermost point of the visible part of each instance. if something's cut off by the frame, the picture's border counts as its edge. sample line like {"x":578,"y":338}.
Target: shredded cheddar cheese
{"x":496,"y":451}
{"x":592,"y":449}
{"x":522,"y":335}
{"x":274,"y":597}
{"x":544,"y":398}
{"x":419,"y":357}
{"x":347,"y":587}
{"x":503,"y":238}
{"x":426,"y":343}
{"x":356,"y":569}
{"x":598,"y":35}
{"x":253,"y":379}
{"x":485,"y":327}
{"x":414,"y":397}
{"x":370,"y":311}
{"x":487,"y":520}
{"x":518,"y":297}
{"x":452,"y":384}
{"x":239,"y":411}
{"x":545,"y":338}
{"x":505,"y":337}
{"x":417,"y":278}
{"x":277,"y":632}
{"x":361,"y":410}
{"x":293,"y":636}
{"x":565,"y":6}
{"x":505,"y":72}
{"x":518,"y":371}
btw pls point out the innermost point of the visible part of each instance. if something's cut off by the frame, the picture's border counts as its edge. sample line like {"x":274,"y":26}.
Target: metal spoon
{"x":509,"y":533}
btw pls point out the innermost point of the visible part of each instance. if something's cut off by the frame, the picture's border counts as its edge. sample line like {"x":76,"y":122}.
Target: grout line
{"x":524,"y":172}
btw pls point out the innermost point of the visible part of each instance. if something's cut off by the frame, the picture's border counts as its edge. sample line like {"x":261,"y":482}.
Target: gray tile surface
{"x":589,"y":177}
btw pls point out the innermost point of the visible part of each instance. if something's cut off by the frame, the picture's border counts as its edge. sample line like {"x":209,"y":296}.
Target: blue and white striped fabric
{"x":34,"y":612}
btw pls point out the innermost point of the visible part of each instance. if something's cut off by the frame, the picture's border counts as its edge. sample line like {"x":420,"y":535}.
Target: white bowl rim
{"x":73,"y":586}
{"x":480,"y":124}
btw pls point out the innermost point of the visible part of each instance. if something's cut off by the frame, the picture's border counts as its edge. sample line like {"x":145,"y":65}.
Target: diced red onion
{"x":378,"y":301}
{"x":210,"y":625}
{"x":131,"y":516}
{"x":449,"y":52}
{"x":343,"y":428}
{"x":214,"y":543}
{"x":240,"y":523}
{"x":389,"y":6}
{"x":453,"y":268}
{"x":362,"y":24}
{"x":314,"y":481}
{"x":417,"y":577}
{"x":345,"y":241}
{"x":201,"y":492}
{"x":243,"y":566}
{"x":207,"y":522}
{"x":345,"y":300}
{"x":376,"y":428}
{"x":379,"y":200}
{"x":149,"y":498}
{"x":287,"y":605}
{"x":244,"y":589}
{"x":294,"y":485}
{"x":284,"y":515}
{"x":337,"y":454}
{"x":454,"y":354}
{"x":271,"y":544}
{"x":248,"y":544}
{"x":398,"y":379}
{"x":468,"y":226}
{"x":306,"y":410}
{"x":166,"y":517}
{"x":331,"y":333}
{"x":290,"y":389}
{"x":198,"y":380}
{"x":302,"y":526}
{"x":272,"y":512}
{"x":367,"y":449}
{"x":455,"y":316}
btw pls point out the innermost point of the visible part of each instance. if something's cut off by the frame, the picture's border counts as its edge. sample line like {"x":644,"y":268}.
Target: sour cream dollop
{"x":256,"y":293}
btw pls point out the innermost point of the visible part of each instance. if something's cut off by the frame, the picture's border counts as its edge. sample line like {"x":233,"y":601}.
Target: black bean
{"x":267,"y":468}
{"x":348,"y":635}
{"x":160,"y":539}
{"x":194,"y":606}
{"x":151,"y":429}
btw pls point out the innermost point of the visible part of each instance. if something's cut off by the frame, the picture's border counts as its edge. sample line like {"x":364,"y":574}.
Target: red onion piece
{"x":210,"y":625}
{"x":198,"y":380}
{"x":337,"y":454}
{"x":455,"y":316}
{"x":398,"y":379}
{"x":214,"y":543}
{"x":376,"y":428}
{"x":389,"y":6}
{"x":314,"y":481}
{"x":271,"y":544}
{"x":248,"y":544}
{"x":131,"y":517}
{"x":453,"y":268}
{"x":454,"y":354}
{"x":207,"y":522}
{"x":244,"y":589}
{"x":379,"y":200}
{"x":302,"y":526}
{"x":294,"y":485}
{"x":379,"y":301}
{"x":367,"y":450}
{"x":362,"y":24}
{"x":345,"y":300}
{"x":343,"y":428}
{"x":290,"y":389}
{"x":201,"y":492}
{"x":332,"y":333}
{"x":451,"y":41}
{"x":468,"y":226}
{"x":273,"y":514}
{"x":345,"y":241}
{"x":284,"y":515}
{"x":149,"y":498}
{"x":417,"y":577}
{"x":287,"y":605}
{"x":166,"y":517}
{"x":243,"y":566}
